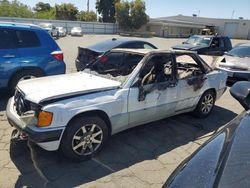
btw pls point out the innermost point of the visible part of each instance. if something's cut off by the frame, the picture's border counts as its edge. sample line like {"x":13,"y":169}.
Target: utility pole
{"x":87,"y":5}
{"x":232,"y":14}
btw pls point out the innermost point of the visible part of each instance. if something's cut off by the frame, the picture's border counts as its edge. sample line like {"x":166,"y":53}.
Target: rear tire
{"x":23,"y":75}
{"x":84,"y":137}
{"x":205,"y":104}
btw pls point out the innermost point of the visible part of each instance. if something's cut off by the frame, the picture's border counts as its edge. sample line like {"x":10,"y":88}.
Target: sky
{"x":162,"y":8}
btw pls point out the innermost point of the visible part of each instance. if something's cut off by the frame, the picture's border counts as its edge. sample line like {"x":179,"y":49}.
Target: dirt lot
{"x":140,"y":157}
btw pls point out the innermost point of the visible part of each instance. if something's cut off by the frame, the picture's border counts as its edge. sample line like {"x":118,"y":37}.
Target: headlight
{"x":44,"y":119}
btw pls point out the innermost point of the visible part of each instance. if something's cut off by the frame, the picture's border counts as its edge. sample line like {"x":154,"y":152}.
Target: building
{"x":184,"y":26}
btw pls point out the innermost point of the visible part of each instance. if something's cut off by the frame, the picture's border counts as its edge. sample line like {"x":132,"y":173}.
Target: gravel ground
{"x":140,"y":157}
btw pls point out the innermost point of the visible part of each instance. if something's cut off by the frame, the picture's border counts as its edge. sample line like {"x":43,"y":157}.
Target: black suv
{"x":206,"y":45}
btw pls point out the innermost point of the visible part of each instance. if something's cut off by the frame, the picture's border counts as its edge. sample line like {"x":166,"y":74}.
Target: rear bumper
{"x":37,"y":135}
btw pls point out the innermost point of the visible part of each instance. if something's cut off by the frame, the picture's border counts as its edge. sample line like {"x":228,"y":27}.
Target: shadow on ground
{"x":40,"y":168}
{"x":3,"y":101}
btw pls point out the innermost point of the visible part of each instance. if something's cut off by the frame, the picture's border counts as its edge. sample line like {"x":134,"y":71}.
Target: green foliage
{"x":137,"y":13}
{"x":123,"y":15}
{"x":46,"y":14}
{"x":131,"y":15}
{"x":66,"y":11}
{"x":87,"y":16}
{"x":14,"y":9}
{"x":107,"y":9}
{"x":42,"y":7}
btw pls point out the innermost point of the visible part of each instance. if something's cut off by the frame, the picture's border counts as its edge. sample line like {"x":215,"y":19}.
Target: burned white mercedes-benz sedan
{"x":123,"y":88}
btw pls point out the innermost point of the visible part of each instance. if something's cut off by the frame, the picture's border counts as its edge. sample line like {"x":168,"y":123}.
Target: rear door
{"x":9,"y":58}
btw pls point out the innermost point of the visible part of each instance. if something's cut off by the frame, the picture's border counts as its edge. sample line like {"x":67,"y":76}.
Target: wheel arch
{"x":24,"y":69}
{"x":100,"y":113}
{"x":213,"y":90}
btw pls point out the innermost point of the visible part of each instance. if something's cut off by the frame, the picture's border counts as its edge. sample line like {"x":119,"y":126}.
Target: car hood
{"x":235,"y":62}
{"x":221,"y":162}
{"x":187,"y":47}
{"x":40,"y":90}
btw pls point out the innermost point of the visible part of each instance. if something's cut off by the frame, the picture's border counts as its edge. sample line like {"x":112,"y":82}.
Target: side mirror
{"x":241,"y":92}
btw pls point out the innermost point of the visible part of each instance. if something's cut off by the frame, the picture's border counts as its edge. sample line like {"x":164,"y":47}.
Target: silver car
{"x":52,"y":30}
{"x":62,"y":31}
{"x":122,"y":89}
{"x":76,"y":31}
{"x":236,"y":63}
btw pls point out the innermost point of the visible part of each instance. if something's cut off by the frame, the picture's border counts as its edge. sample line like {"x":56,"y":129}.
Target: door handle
{"x":9,"y":56}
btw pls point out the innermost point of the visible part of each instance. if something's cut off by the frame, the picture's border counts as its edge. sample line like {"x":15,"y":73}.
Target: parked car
{"x":84,"y":109}
{"x":27,"y":51}
{"x":223,"y":161}
{"x":236,"y":63}
{"x":52,"y":30}
{"x":90,"y":53}
{"x":206,"y":45}
{"x":61,"y":31}
{"x":76,"y":31}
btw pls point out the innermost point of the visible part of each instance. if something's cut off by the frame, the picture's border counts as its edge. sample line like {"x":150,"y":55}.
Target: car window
{"x":215,"y":43}
{"x":8,"y":39}
{"x":157,"y":69}
{"x":109,"y":62}
{"x":147,"y":46}
{"x":27,"y":39}
{"x":187,"y":66}
{"x":222,"y":45}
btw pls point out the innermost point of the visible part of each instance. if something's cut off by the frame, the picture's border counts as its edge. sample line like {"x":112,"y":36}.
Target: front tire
{"x":205,"y":104}
{"x":84,"y":137}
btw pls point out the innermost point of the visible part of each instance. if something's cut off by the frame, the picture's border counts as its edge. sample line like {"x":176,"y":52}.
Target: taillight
{"x":58,"y":55}
{"x":103,"y":59}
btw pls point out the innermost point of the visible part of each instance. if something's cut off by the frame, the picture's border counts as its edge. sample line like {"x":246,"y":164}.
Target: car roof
{"x":147,"y":51}
{"x":209,"y":36}
{"x":110,"y":44}
{"x":19,"y":25}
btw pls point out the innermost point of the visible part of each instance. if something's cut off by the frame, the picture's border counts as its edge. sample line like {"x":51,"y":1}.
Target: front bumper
{"x":37,"y":135}
{"x":234,"y":75}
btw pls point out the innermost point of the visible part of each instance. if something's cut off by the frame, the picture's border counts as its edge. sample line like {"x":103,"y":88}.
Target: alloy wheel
{"x":207,"y":103}
{"x":87,"y":139}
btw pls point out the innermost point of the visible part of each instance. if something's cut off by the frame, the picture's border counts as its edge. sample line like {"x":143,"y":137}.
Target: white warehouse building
{"x":184,"y":26}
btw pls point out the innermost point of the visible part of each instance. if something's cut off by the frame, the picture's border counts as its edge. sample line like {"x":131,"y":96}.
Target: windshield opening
{"x":115,"y":65}
{"x":198,"y":41}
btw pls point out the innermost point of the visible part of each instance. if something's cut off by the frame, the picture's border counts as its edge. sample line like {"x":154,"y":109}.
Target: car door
{"x":8,"y":55}
{"x":152,"y":100}
{"x":191,"y":81}
{"x":216,"y":47}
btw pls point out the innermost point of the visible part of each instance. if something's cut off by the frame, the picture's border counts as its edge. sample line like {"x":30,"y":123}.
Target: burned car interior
{"x":116,"y":63}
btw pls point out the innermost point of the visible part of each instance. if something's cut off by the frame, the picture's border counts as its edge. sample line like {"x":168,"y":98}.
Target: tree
{"x":131,"y":16}
{"x":87,"y":16}
{"x":123,"y":15}
{"x":66,"y":11}
{"x":138,"y":15}
{"x":107,"y":9}
{"x":14,"y":9}
{"x":42,"y":7}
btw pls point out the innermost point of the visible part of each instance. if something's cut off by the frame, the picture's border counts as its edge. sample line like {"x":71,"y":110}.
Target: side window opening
{"x":117,"y":63}
{"x":158,"y":69}
{"x":27,"y":39}
{"x":8,"y":39}
{"x":156,"y":74}
{"x":189,"y":70}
